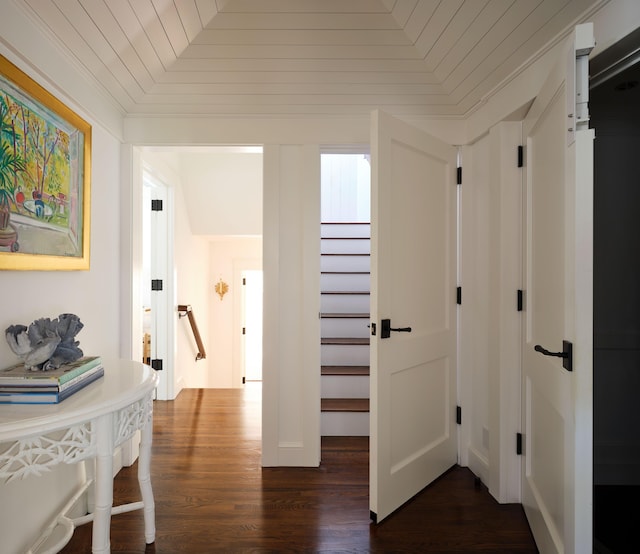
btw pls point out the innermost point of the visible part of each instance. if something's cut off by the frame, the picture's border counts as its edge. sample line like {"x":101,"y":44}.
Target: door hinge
{"x":244,"y":380}
{"x":156,"y":205}
{"x":520,"y":300}
{"x":459,"y":295}
{"x":244,"y":330}
{"x":519,"y":444}
{"x":459,"y":176}
{"x":459,"y":415}
{"x":244,"y":280}
{"x":156,"y":364}
{"x":156,"y":284}
{"x":520,"y":156}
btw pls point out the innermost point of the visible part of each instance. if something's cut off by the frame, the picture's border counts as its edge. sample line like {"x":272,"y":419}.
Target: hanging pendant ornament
{"x":221,"y":288}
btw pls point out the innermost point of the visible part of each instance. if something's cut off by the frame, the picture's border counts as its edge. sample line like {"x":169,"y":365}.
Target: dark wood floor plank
{"x":212,"y":495}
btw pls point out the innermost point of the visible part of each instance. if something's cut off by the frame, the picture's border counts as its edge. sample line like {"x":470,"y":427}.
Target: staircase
{"x":344,"y":305}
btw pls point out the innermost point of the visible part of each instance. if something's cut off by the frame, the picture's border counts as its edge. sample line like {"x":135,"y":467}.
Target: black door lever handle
{"x":546,"y":352}
{"x":386,"y":329}
{"x":566,"y":354}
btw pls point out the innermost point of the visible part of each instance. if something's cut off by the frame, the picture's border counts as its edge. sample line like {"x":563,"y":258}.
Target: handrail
{"x":185,"y":309}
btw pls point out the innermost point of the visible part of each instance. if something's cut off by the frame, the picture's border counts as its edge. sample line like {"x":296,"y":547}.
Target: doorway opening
{"x":344,"y":293}
{"x":207,"y":241}
{"x":615,"y":114}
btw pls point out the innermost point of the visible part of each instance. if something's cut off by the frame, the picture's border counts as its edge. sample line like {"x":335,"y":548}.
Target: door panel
{"x":413,"y":283}
{"x":557,"y":420}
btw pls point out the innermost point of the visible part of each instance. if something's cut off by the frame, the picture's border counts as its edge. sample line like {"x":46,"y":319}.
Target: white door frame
{"x":132,"y":270}
{"x":163,"y":312}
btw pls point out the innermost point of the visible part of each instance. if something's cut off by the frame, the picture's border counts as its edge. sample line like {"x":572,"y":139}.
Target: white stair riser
{"x":345,"y":230}
{"x":338,"y":354}
{"x":349,"y":327}
{"x":344,"y":424}
{"x":342,"y":282}
{"x":345,"y":263}
{"x":344,"y":303}
{"x":345,"y":246}
{"x":344,"y":386}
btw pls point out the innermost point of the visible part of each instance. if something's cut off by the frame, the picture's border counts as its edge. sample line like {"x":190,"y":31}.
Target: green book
{"x":18,"y":374}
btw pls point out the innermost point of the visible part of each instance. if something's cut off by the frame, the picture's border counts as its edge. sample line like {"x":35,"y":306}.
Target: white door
{"x":557,"y":397}
{"x":161,"y":315}
{"x":413,"y":433}
{"x":252,"y":324}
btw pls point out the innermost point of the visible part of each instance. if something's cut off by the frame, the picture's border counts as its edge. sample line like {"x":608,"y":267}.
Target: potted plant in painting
{"x":10,"y":164}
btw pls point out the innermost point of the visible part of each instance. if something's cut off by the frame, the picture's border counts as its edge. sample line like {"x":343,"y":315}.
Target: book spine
{"x":28,"y":398}
{"x":80,"y":385}
{"x":79,"y":370}
{"x":81,"y":377}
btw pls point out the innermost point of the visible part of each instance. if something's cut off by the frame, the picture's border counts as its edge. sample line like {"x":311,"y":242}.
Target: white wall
{"x":93,"y":295}
{"x":291,"y":332}
{"x":223,"y":191}
{"x":490,"y":325}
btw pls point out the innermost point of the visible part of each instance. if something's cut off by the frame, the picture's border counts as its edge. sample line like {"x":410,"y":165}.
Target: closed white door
{"x":252,"y":324}
{"x":413,"y":433}
{"x":557,"y":395}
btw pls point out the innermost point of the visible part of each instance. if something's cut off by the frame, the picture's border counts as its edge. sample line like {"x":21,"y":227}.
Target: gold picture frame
{"x":45,"y":178}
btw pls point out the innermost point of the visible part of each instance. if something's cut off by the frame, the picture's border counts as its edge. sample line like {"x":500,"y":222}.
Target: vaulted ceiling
{"x":304,"y":57}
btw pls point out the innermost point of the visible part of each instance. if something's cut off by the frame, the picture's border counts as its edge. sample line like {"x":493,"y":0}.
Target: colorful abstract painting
{"x":44,"y":178}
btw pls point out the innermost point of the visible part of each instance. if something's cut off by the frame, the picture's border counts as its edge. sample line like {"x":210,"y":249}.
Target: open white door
{"x":557,"y":394}
{"x":413,"y":432}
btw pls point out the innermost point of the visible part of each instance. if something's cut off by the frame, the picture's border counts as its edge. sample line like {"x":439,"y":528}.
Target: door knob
{"x":386,"y":329}
{"x":566,"y":354}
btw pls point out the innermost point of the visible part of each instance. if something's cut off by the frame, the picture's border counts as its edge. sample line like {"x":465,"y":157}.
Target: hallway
{"x":212,"y":495}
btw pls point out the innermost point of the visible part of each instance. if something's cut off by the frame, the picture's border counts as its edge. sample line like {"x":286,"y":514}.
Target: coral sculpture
{"x":46,"y":343}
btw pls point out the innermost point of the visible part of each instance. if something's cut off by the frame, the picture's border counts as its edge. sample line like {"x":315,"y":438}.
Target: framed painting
{"x":45,"y":172}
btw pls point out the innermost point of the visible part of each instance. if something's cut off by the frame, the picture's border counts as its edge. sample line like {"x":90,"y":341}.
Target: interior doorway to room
{"x":207,"y":240}
{"x":344,"y":293}
{"x":615,"y":114}
{"x":252,"y":324}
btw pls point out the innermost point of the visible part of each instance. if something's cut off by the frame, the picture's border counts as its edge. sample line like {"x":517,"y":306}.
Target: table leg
{"x":103,"y":485}
{"x":144,"y":480}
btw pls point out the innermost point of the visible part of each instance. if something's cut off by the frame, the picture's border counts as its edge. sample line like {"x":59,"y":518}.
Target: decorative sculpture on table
{"x":46,"y":343}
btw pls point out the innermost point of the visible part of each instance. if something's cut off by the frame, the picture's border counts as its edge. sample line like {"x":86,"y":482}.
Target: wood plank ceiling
{"x":304,"y":57}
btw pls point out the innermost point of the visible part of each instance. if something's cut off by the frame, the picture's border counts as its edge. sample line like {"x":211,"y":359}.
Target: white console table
{"x":89,"y":424}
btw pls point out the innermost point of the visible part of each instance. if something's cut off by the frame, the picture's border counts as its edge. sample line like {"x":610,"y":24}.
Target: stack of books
{"x":19,"y":385}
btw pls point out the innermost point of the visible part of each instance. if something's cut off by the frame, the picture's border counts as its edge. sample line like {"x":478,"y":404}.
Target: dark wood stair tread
{"x":343,"y":315}
{"x":344,"y":254}
{"x":344,"y":404}
{"x":345,"y":292}
{"x":345,"y":273}
{"x":346,"y":341}
{"x":344,"y":370}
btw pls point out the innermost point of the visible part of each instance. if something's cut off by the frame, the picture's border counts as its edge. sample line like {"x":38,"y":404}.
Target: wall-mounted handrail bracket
{"x":186,"y":310}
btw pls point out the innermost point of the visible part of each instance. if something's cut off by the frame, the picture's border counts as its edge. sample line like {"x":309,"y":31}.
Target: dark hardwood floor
{"x":213,"y":496}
